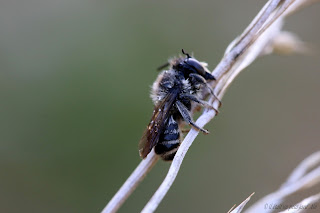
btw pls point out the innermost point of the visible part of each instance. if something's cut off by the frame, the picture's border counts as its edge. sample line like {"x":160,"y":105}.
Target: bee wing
{"x":156,"y":126}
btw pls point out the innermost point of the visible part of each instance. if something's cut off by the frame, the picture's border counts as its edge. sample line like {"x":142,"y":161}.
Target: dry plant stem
{"x":302,"y":177}
{"x":131,"y":183}
{"x":265,"y":18}
{"x":299,"y":179}
{"x":251,"y":44}
{"x":245,"y":39}
{"x":235,"y":60}
{"x":303,"y":168}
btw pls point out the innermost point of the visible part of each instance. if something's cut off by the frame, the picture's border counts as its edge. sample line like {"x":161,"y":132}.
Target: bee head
{"x":192,"y":65}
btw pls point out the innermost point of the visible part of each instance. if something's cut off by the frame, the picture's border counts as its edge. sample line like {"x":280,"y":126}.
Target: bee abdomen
{"x":169,"y":141}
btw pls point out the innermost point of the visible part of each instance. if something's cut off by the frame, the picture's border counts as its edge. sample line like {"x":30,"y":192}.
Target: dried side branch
{"x":301,"y":170}
{"x":302,"y":177}
{"x":241,"y":205}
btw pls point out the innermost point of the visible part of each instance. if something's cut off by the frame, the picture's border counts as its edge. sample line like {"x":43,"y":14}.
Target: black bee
{"x":175,"y":93}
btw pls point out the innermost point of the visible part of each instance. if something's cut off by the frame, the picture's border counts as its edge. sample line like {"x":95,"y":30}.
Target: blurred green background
{"x":75,"y":77}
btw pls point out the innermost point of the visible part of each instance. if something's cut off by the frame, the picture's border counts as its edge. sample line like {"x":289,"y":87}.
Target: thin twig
{"x":239,"y":208}
{"x":131,"y":183}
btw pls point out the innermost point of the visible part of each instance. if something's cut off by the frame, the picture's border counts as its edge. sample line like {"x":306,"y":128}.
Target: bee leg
{"x":187,"y":117}
{"x":201,"y":80}
{"x":198,"y":101}
{"x":214,"y":95}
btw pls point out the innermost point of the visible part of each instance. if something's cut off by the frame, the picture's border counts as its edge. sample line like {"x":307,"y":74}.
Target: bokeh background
{"x":74,"y":87}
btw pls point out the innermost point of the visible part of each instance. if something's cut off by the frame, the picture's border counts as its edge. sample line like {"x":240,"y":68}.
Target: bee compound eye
{"x":196,"y":65}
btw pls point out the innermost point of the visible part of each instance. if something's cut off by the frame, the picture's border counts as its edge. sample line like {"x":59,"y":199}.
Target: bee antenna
{"x":163,"y":66}
{"x":187,"y":54}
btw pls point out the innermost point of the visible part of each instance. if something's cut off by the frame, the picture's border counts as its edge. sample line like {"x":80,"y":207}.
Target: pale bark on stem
{"x":258,"y":39}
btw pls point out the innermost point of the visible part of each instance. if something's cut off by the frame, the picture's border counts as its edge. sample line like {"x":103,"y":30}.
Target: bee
{"x":175,"y":93}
